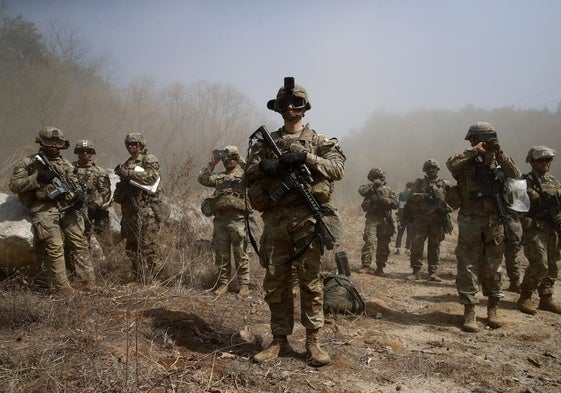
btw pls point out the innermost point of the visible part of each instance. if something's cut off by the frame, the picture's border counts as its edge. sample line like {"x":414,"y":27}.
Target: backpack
{"x":340,"y":296}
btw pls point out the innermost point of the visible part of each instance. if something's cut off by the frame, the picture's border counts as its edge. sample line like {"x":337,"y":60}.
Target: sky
{"x":354,"y":57}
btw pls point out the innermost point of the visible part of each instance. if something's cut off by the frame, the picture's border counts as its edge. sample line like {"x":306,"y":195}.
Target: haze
{"x":353,"y":57}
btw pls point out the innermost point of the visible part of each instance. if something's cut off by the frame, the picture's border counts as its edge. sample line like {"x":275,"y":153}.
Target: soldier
{"x":542,"y":229}
{"x":430,"y":219}
{"x":402,"y":223}
{"x":95,"y":182}
{"x":55,"y":211}
{"x":379,"y":200}
{"x":137,"y":192}
{"x":480,"y":240}
{"x":290,"y":235}
{"x":228,"y":207}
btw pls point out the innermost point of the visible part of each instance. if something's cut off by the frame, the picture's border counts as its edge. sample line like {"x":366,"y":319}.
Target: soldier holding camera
{"x":228,"y":207}
{"x":479,"y":172}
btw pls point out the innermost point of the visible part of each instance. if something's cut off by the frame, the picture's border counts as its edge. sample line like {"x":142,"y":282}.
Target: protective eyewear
{"x":88,"y":151}
{"x":295,"y":101}
{"x":132,"y":144}
{"x":545,"y":159}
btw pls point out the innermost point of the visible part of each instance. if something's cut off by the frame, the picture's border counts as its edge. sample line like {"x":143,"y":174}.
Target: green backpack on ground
{"x":340,"y":296}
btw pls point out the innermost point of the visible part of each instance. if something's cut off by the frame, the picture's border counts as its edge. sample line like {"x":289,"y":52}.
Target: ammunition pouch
{"x":228,"y":201}
{"x":258,"y":196}
{"x":206,"y":206}
{"x":322,"y":190}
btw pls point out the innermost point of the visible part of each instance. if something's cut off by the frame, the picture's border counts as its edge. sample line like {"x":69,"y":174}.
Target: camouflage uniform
{"x":379,"y":200}
{"x":512,"y":248}
{"x":540,"y":239}
{"x":95,"y":182}
{"x":229,"y":221}
{"x":402,"y":224}
{"x":428,"y":222}
{"x":55,"y":230}
{"x":139,"y":226}
{"x":480,"y":247}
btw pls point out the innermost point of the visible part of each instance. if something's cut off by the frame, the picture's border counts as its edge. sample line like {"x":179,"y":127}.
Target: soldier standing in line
{"x":480,"y":247}
{"x":228,"y":208}
{"x":403,"y":224}
{"x":542,"y":229}
{"x":379,"y":201}
{"x":55,"y":212}
{"x":95,"y":182}
{"x":137,"y":192}
{"x":290,"y":234}
{"x":430,"y":220}
{"x":512,"y":248}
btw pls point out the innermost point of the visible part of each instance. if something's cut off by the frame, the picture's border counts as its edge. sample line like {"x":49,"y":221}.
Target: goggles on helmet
{"x":295,"y":101}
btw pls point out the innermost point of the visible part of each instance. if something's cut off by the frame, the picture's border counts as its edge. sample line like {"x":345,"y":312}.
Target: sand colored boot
{"x":244,"y":290}
{"x":524,"y":302}
{"x":493,"y":319}
{"x":416,"y":275}
{"x":470,"y":324}
{"x":316,"y":355}
{"x":278,"y":347}
{"x":547,"y":304}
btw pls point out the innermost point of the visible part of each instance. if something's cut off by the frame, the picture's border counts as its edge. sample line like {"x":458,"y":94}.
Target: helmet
{"x":479,"y":127}
{"x":233,"y":152}
{"x":49,"y":135}
{"x":290,"y":94}
{"x":84,"y":144}
{"x":429,"y":164}
{"x":537,"y":152}
{"x":135,"y":137}
{"x":376,"y":173}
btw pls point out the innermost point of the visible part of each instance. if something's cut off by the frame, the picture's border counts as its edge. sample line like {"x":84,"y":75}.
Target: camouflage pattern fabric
{"x":513,"y":245}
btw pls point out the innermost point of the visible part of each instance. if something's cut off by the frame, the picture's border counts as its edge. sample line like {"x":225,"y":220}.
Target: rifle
{"x":551,"y":203}
{"x":492,"y":182}
{"x":62,"y":185}
{"x":295,"y":178}
{"x":442,"y":209}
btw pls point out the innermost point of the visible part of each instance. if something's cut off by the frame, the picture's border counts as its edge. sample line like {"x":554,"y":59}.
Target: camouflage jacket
{"x":95,"y":182}
{"x":551,"y":189}
{"x":426,"y":203}
{"x":379,"y":199}
{"x":140,"y":171}
{"x":229,"y":189}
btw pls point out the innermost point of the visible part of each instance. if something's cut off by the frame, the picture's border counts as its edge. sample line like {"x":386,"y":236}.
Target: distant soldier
{"x":379,"y":201}
{"x":480,"y":248}
{"x":542,"y":230}
{"x":228,"y":208}
{"x":430,"y":219}
{"x":95,"y":182}
{"x":54,"y":200}
{"x":137,"y":192}
{"x":402,"y":223}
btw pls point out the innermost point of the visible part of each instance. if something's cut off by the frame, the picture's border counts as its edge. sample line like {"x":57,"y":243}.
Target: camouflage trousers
{"x":286,"y":231}
{"x":540,"y":247}
{"x":59,"y":234}
{"x":228,"y":239}
{"x":140,"y":231}
{"x":479,"y":256}
{"x":380,"y":229}
{"x":513,"y":246}
{"x":433,"y":233}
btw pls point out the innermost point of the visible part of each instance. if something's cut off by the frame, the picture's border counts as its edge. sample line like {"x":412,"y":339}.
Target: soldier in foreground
{"x":137,"y":192}
{"x":228,"y":208}
{"x":480,"y":221}
{"x":95,"y":182}
{"x":430,"y":219}
{"x":46,"y":185}
{"x":542,"y":231}
{"x":290,"y":235}
{"x":379,"y":201}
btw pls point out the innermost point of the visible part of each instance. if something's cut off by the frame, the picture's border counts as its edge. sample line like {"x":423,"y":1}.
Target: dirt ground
{"x":173,"y":339}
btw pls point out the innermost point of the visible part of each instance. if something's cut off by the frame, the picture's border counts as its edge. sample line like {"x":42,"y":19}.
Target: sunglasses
{"x":545,"y":159}
{"x":132,"y":144}
{"x":295,"y":101}
{"x":89,"y":151}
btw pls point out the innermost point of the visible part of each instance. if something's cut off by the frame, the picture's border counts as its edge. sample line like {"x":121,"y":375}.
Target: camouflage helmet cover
{"x":233,"y":152}
{"x":429,"y":164}
{"x":135,"y":137}
{"x":48,"y":135}
{"x":479,"y":127}
{"x":84,"y":144}
{"x":284,"y":93}
{"x":537,"y":152}
{"x":375,"y":173}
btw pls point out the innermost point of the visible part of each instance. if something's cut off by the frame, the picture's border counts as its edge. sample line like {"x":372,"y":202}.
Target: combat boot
{"x":363,"y":269}
{"x":379,"y":271}
{"x":221,"y":289}
{"x":278,"y":347}
{"x":470,"y":324}
{"x":547,"y":304}
{"x":524,"y":302}
{"x":493,"y":319}
{"x":244,"y":290}
{"x":415,"y":276}
{"x":316,"y":355}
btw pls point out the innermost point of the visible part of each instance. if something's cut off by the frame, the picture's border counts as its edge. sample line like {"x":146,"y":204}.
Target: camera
{"x":289,"y":84}
{"x":220,"y":154}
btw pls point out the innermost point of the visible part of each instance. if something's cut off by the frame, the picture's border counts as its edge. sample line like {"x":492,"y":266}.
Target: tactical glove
{"x":378,"y":182}
{"x":120,"y":171}
{"x":293,"y":160}
{"x":493,"y":145}
{"x":269,"y":167}
{"x":46,"y":176}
